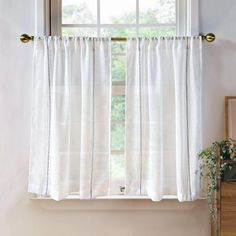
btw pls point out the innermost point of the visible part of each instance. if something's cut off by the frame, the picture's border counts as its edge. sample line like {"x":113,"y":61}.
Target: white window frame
{"x":187,"y":17}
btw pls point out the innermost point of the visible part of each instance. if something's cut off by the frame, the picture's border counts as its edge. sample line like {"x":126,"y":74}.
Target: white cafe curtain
{"x":163,"y":117}
{"x":70,"y":141}
{"x":70,"y":138}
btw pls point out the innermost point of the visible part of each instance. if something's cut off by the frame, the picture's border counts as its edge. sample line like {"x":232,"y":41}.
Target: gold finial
{"x":25,"y":38}
{"x":210,"y":37}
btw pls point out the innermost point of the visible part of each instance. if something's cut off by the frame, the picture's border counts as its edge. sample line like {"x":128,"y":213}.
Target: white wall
{"x":219,"y":63}
{"x":20,"y":216}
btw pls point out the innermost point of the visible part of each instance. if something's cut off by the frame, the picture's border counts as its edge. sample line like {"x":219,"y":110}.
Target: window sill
{"x":116,"y":203}
{"x":114,"y":197}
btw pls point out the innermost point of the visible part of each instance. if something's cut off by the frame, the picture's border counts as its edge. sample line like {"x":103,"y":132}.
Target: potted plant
{"x":211,"y":169}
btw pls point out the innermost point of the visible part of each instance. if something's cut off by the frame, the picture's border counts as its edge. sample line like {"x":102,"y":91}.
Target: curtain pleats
{"x":70,"y":147}
{"x":71,"y":117}
{"x":163,"y":117}
{"x":39,"y":148}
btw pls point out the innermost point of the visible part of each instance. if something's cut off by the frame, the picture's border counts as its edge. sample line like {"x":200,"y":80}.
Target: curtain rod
{"x":210,"y":37}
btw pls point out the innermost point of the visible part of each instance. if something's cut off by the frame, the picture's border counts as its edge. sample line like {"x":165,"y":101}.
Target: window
{"x":123,"y":18}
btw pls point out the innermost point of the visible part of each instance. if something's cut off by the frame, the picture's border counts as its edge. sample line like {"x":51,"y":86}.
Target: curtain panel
{"x":70,"y":141}
{"x":71,"y":117}
{"x":163,"y":117}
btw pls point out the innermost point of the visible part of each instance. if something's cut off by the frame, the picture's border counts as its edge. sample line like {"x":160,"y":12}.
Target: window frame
{"x":46,"y":16}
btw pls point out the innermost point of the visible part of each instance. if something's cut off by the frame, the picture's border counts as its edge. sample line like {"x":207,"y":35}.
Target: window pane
{"x":118,"y":108}
{"x":118,"y":47}
{"x":118,"y":67}
{"x":117,"y":136}
{"x":157,"y":32}
{"x":157,"y":11}
{"x":118,"y":12}
{"x":87,"y":32}
{"x":79,"y":11}
{"x":118,"y":32}
{"x":117,"y":167}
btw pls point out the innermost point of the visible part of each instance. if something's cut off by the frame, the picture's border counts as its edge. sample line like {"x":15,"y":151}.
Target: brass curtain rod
{"x":210,"y":37}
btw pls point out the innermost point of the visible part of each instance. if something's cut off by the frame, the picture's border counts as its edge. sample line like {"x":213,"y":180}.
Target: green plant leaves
{"x":208,"y":167}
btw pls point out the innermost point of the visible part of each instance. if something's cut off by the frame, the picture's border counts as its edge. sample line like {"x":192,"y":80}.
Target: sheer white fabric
{"x":70,"y":143}
{"x":163,"y":117}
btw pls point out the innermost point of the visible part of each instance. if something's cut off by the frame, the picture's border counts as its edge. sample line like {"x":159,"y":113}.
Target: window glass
{"x":118,"y":32}
{"x":118,"y":12}
{"x":79,"y":11}
{"x":156,"y":32}
{"x":157,"y":12}
{"x":85,"y":32}
{"x":124,"y":18}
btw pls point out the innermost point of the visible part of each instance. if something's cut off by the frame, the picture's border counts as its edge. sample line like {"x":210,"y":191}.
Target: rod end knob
{"x":210,"y":37}
{"x":25,"y":38}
